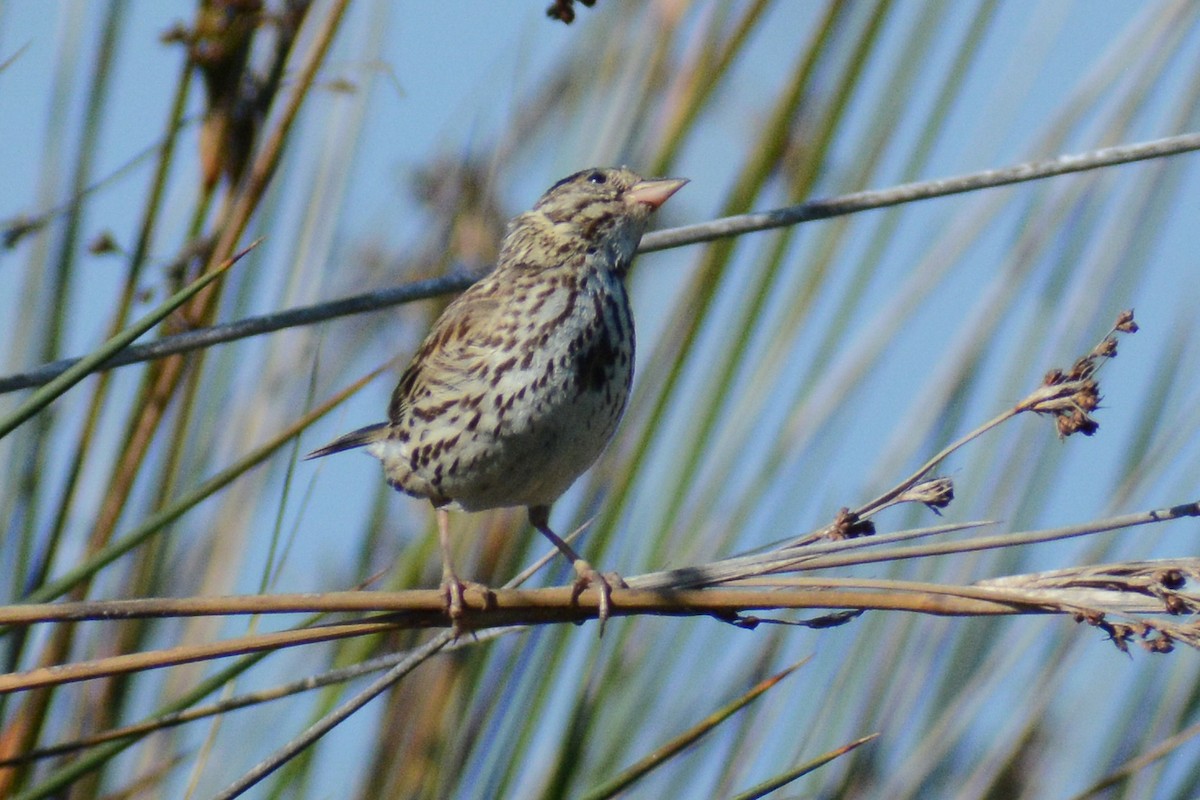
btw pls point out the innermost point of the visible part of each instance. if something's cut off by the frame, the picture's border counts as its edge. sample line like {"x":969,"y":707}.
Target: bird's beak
{"x":655,"y":191}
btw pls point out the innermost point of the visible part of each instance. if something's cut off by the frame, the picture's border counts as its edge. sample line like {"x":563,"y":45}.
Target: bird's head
{"x":593,"y":211}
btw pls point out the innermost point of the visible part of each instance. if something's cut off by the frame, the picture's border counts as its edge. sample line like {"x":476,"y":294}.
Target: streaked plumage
{"x":521,"y":382}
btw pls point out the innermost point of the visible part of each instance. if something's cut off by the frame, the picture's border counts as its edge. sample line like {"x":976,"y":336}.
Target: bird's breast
{"x":522,"y":409}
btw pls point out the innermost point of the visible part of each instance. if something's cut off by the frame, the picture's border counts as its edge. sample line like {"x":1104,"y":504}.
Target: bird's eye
{"x":597,"y":177}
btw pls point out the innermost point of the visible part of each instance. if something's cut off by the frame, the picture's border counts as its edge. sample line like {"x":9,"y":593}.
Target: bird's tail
{"x":358,"y":438}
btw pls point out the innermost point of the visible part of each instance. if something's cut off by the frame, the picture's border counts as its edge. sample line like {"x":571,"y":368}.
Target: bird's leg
{"x":451,"y":587}
{"x":586,"y":574}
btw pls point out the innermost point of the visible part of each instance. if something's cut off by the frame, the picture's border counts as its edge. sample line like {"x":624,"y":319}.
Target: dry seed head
{"x":1171,"y":579}
{"x":1106,"y":349}
{"x":564,"y":10}
{"x":849,"y":525}
{"x":1125,"y":323}
{"x":1159,"y":644}
{"x":1080,"y":392}
{"x":1075,"y":421}
{"x":936,"y":493}
{"x":1118,"y":633}
{"x":103,"y":243}
{"x":1083,"y":368}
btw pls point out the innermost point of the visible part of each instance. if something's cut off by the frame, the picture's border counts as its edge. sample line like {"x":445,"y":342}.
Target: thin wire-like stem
{"x":664,"y":592}
{"x":184,"y":654}
{"x":80,"y":368}
{"x":722,"y":571}
{"x":327,"y":678}
{"x":331,"y":720}
{"x":251,"y":326}
{"x":668,"y":750}
{"x":157,"y":521}
{"x":767,"y":787}
{"x":1139,"y":762}
{"x":334,"y":718}
{"x":887,"y":497}
{"x":919,"y":190}
{"x":308,"y":683}
{"x":725,"y":227}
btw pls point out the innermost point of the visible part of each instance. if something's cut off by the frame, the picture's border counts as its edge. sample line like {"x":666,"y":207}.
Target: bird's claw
{"x":454,"y":592}
{"x":602,"y":583}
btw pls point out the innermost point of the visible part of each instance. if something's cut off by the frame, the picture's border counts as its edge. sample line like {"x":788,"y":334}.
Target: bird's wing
{"x":449,"y":350}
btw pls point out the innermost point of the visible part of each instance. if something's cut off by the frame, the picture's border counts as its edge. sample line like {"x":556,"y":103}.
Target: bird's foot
{"x":602,"y":583}
{"x":454,"y":592}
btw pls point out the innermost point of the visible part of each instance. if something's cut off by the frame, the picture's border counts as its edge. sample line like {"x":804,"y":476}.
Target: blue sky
{"x":443,"y":79}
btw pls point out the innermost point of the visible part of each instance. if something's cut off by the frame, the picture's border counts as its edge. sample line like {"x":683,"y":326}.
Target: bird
{"x":520,"y":383}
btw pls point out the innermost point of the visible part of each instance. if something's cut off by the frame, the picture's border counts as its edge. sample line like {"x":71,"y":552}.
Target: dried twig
{"x":656,"y":240}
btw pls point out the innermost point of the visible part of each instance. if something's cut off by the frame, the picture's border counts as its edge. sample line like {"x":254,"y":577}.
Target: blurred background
{"x":781,"y":375}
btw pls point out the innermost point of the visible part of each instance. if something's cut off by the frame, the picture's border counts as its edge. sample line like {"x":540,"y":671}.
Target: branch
{"x":1085,"y":592}
{"x":657,"y":240}
{"x":920,"y":190}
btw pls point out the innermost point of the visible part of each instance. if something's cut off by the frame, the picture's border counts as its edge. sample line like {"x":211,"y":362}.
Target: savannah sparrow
{"x":521,"y":382}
